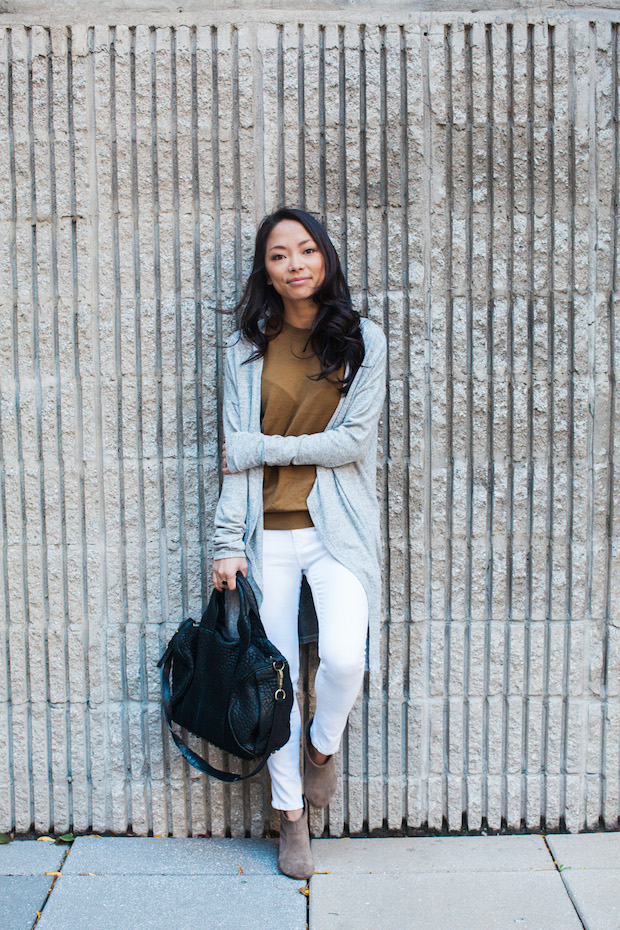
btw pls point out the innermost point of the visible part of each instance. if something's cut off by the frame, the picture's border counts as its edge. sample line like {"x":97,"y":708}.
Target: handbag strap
{"x":192,"y":757}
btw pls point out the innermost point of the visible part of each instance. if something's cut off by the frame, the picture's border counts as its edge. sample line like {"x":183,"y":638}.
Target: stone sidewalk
{"x":561,"y":882}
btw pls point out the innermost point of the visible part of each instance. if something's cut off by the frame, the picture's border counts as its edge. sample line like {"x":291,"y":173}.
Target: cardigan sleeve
{"x":230,"y":518}
{"x":349,"y":442}
{"x":231,"y":511}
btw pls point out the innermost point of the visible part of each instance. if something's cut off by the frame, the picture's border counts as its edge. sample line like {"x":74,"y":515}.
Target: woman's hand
{"x":224,"y":572}
{"x":224,"y":462}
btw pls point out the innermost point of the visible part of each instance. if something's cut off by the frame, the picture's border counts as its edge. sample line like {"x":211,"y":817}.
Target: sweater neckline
{"x":297,"y":331}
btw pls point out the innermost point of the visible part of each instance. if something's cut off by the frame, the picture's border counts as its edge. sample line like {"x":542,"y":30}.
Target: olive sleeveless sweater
{"x":292,"y":404}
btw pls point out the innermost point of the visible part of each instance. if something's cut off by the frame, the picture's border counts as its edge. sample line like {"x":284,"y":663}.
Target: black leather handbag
{"x":234,"y":693}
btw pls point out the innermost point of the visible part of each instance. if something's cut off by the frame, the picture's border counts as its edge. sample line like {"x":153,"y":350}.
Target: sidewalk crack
{"x":560,"y":869}
{"x":49,"y":893}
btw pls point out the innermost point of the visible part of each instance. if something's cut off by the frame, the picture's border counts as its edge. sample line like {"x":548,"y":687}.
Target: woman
{"x":305,"y":384}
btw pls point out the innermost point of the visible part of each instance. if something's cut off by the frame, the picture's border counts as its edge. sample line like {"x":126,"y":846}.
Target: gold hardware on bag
{"x":280,"y":693}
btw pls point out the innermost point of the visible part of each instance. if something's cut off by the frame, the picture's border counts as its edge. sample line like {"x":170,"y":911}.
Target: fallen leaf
{"x":52,"y":873}
{"x":4,"y":838}
{"x":93,"y":874}
{"x":304,"y":891}
{"x":240,"y":870}
{"x":90,"y":835}
{"x":38,"y":913}
{"x":65,"y":838}
{"x":46,"y":839}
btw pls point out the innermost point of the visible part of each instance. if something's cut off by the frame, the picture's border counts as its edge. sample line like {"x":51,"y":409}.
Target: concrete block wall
{"x":467,"y":168}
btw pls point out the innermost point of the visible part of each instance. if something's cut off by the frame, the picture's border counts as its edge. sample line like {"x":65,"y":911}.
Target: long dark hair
{"x":335,"y":337}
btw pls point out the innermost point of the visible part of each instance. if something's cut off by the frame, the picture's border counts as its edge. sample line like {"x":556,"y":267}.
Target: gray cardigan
{"x":343,"y":500}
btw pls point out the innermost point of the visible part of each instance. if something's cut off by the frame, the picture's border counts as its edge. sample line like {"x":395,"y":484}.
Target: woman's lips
{"x":298,"y":280}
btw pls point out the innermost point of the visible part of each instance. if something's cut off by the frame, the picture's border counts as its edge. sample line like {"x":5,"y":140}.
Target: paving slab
{"x":163,"y":902}
{"x":586,"y":850}
{"x":432,"y":854}
{"x":21,"y":896}
{"x":128,"y":855}
{"x":30,"y":857}
{"x":591,"y":872}
{"x":596,"y":895}
{"x":437,"y":900}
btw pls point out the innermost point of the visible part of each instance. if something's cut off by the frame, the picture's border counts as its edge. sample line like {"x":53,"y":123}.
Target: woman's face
{"x":293,"y":263}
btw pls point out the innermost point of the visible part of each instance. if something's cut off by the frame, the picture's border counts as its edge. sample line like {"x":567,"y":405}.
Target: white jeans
{"x":342,"y":612}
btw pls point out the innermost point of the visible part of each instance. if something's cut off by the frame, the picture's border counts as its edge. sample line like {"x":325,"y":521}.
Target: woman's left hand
{"x":224,"y":462}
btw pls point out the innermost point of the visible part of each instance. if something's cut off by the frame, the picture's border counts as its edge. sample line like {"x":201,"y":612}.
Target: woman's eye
{"x":309,"y":249}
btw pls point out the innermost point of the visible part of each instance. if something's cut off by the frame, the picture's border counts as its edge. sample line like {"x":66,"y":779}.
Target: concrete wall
{"x":467,"y":169}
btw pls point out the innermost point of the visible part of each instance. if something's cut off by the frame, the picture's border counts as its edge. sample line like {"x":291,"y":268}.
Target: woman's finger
{"x":225,"y":470}
{"x":224,"y":572}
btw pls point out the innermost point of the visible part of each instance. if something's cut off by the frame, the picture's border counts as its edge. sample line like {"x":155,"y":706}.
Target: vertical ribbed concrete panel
{"x":467,"y":170}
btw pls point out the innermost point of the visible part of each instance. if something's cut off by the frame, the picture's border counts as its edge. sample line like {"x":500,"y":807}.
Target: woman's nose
{"x":295,"y":262}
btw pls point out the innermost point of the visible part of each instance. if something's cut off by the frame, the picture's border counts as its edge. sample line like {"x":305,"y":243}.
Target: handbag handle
{"x":249,"y":607}
{"x":248,"y":592}
{"x":249,"y":618}
{"x":192,"y":757}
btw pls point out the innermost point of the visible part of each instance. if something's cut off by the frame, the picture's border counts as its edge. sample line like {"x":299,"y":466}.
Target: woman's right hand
{"x":224,"y":572}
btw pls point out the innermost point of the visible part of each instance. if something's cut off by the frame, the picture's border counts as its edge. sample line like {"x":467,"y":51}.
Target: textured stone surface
{"x":128,"y":855}
{"x":590,"y":869}
{"x":24,"y":886}
{"x":30,"y":857}
{"x":21,"y":896}
{"x":160,"y":902}
{"x":596,"y":895}
{"x":431,"y":854}
{"x":466,"y":167}
{"x":479,"y":901}
{"x":587,"y":850}
{"x":170,"y":7}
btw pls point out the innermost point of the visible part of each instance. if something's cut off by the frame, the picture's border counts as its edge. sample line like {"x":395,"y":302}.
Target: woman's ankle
{"x":319,"y":758}
{"x":295,"y":815}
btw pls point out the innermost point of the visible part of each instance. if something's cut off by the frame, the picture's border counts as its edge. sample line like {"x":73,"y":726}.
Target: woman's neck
{"x":301,"y":315}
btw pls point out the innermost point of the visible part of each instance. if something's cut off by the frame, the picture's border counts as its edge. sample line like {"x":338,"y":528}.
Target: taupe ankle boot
{"x":320,"y":781}
{"x":294,"y":856}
